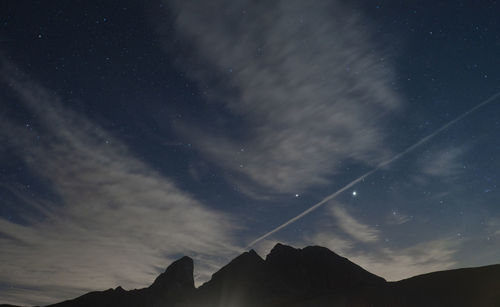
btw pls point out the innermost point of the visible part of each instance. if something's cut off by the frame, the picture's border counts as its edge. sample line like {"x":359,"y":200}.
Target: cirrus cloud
{"x":308,"y":81}
{"x":111,"y":219}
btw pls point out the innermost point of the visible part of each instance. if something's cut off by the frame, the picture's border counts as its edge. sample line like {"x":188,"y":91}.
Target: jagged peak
{"x":253,"y":253}
{"x":319,"y":264}
{"x":280,"y":250}
{"x":283,"y":250}
{"x":247,"y":258}
{"x":281,"y":246}
{"x":246,"y":262}
{"x":179,"y":273}
{"x":119,"y":289}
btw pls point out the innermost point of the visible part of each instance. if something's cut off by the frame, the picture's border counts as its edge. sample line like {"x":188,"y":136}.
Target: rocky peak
{"x":317,"y":268}
{"x":179,"y":275}
{"x":119,"y":289}
{"x":281,"y":251}
{"x":246,"y":263}
{"x":248,"y":258}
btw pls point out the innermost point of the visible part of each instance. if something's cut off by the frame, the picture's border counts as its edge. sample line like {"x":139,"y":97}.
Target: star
{"x":297,"y":195}
{"x":354,"y":193}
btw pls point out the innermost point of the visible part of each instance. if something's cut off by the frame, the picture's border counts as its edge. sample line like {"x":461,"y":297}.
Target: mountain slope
{"x":316,"y":269}
{"x":174,"y":285}
{"x":309,"y":277}
{"x":461,"y":287}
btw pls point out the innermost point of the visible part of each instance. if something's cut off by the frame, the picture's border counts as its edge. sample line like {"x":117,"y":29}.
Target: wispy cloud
{"x":397,"y":264}
{"x":443,"y":162}
{"x":113,"y":219}
{"x":398,"y":218}
{"x":304,"y":80}
{"x":265,"y":246}
{"x":353,"y":227}
{"x":354,"y":241}
{"x":332,"y":241}
{"x":493,"y":226}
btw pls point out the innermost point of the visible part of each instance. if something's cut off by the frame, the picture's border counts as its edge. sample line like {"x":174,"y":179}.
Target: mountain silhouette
{"x":313,"y":276}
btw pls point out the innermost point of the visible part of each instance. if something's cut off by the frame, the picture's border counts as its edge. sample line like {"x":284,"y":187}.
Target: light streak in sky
{"x":379,"y":166}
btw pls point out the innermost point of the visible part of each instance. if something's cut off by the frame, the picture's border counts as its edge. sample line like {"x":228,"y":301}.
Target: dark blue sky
{"x":134,"y":133}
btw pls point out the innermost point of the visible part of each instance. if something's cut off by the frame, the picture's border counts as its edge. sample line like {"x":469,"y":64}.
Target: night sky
{"x":132,"y":134}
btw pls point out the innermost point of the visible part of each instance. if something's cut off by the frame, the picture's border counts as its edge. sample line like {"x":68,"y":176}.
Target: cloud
{"x":397,"y":264}
{"x":398,"y":218}
{"x":111,"y":219}
{"x":265,"y":246}
{"x":353,"y":227}
{"x":307,"y":81}
{"x":443,"y":162}
{"x":392,"y":263}
{"x":333,"y":241}
{"x":493,"y":226}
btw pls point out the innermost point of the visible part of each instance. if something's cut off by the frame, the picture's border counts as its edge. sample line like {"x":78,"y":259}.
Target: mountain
{"x":313,"y":276}
{"x":460,"y":287}
{"x":174,"y":285}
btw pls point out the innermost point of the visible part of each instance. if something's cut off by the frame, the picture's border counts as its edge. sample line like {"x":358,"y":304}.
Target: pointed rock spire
{"x":281,"y":251}
{"x":179,"y":275}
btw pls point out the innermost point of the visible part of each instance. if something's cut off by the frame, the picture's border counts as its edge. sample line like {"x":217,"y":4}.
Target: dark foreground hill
{"x":312,"y":276}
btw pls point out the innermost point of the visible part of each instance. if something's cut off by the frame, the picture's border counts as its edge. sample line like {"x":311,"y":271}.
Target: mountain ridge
{"x":311,"y":276}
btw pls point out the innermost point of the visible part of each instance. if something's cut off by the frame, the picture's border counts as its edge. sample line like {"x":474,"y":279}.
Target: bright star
{"x":354,"y":193}
{"x":297,"y":195}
